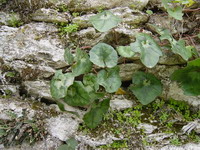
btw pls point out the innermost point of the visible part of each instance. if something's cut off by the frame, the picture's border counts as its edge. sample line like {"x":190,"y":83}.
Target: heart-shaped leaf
{"x":77,"y":95}
{"x":146,"y":87}
{"x":69,"y":58}
{"x":189,"y":78}
{"x":109,"y":79}
{"x":90,"y":81}
{"x":176,"y":12}
{"x":60,"y":83}
{"x":82,"y":65}
{"x":95,"y":115}
{"x":103,"y":55}
{"x":104,"y":21}
{"x":178,"y":47}
{"x":148,"y":49}
{"x":71,"y":145}
{"x":125,"y":51}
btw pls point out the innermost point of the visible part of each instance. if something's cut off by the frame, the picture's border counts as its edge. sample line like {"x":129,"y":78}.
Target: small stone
{"x":62,"y":127}
{"x":50,"y":15}
{"x":120,"y":103}
{"x":148,"y":128}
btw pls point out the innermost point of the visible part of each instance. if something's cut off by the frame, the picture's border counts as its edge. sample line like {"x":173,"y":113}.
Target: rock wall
{"x":32,"y":48}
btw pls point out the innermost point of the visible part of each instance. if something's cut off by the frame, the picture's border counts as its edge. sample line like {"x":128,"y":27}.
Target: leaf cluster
{"x":146,"y":87}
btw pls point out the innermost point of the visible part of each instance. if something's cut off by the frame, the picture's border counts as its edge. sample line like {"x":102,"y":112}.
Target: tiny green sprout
{"x":150,"y":12}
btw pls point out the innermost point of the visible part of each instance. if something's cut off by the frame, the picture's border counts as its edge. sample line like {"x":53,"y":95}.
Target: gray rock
{"x":127,"y":70}
{"x":10,"y":89}
{"x":98,"y":141}
{"x":34,"y":49}
{"x":175,"y":92}
{"x":119,"y":102}
{"x":39,"y":89}
{"x":129,"y":17}
{"x":50,"y":15}
{"x":170,"y":58}
{"x":8,"y":18}
{"x":168,"y":23}
{"x":189,"y":146}
{"x":62,"y":127}
{"x":50,"y":143}
{"x":158,"y":137}
{"x":148,"y":128}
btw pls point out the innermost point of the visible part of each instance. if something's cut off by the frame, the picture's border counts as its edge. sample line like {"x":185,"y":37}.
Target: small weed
{"x":75,"y":14}
{"x":69,"y":28}
{"x":116,"y":145}
{"x":62,"y":8}
{"x":164,"y":117}
{"x":14,"y":21}
{"x":175,"y":141}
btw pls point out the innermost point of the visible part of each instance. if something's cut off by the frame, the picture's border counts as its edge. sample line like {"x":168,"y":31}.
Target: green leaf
{"x":178,"y":47}
{"x":60,"y":83}
{"x":69,"y":58}
{"x":71,"y":145}
{"x":3,"y":132}
{"x":198,"y":35}
{"x":90,"y":81}
{"x":103,"y":55}
{"x":189,"y":78}
{"x":109,"y":79}
{"x":176,"y":12}
{"x":150,"y":12}
{"x":104,"y":21}
{"x":146,"y":87}
{"x":125,"y":51}
{"x":82,"y":65}
{"x":148,"y":49}
{"x":78,"y":95}
{"x":95,"y":115}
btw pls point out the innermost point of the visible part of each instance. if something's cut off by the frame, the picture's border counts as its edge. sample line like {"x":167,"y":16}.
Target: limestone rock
{"x":8,"y":18}
{"x":62,"y":127}
{"x":127,"y":70}
{"x":129,"y":17}
{"x":50,"y":15}
{"x":148,"y":128}
{"x":34,"y":48}
{"x":168,"y":23}
{"x":177,"y":93}
{"x":120,"y":103}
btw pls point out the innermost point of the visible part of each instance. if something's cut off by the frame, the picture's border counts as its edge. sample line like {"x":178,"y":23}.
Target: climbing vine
{"x":100,"y":71}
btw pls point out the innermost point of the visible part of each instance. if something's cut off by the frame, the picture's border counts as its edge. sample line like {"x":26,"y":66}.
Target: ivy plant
{"x":189,"y":78}
{"x":104,"y":21}
{"x":148,"y":49}
{"x":103,"y":55}
{"x":177,"y":47}
{"x":146,"y":87}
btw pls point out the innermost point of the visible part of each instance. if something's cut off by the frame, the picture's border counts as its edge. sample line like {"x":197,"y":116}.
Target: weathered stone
{"x":129,"y":17}
{"x":120,"y":103}
{"x":34,"y":49}
{"x":94,"y":142}
{"x":120,"y":36}
{"x":147,"y":128}
{"x":166,"y":22}
{"x":8,"y":18}
{"x":62,"y":127}
{"x":127,"y":70}
{"x":50,"y":143}
{"x":169,"y":58}
{"x":41,"y":89}
{"x":175,"y":92}
{"x":50,"y":15}
{"x":8,"y":89}
{"x":158,"y":137}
